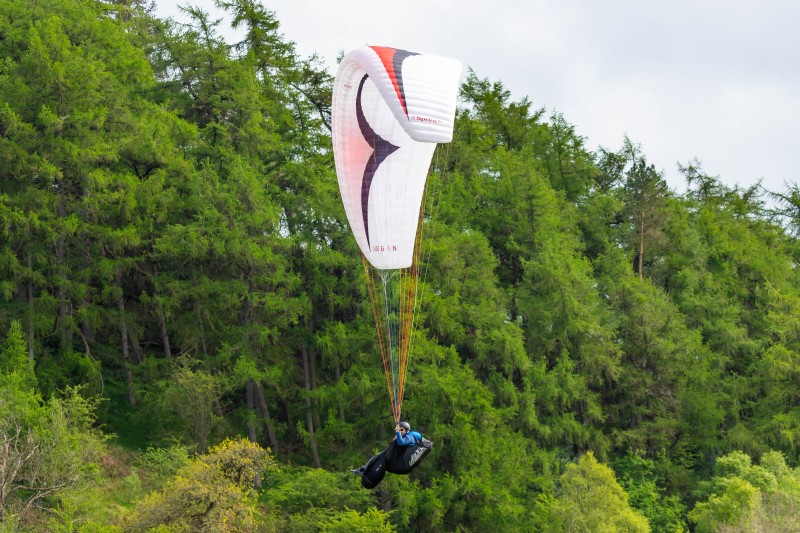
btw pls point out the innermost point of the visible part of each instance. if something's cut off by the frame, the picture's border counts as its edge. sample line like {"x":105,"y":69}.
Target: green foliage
{"x":173,"y":242}
{"x":163,"y":463}
{"x":14,"y":358}
{"x":591,"y":500}
{"x":646,"y":493}
{"x":657,"y":403}
{"x":193,"y":395}
{"x":214,"y":492}
{"x":737,"y":505}
{"x":48,"y":447}
{"x":372,"y":520}
{"x":17,"y":374}
{"x":295,"y":492}
{"x":311,"y":500}
{"x":749,"y":497}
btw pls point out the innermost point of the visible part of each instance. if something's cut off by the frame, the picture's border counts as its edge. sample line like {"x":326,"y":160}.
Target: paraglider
{"x":404,"y":453}
{"x":390,"y":109}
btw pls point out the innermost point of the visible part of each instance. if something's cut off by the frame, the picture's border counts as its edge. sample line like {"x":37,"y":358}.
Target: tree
{"x":647,"y":493}
{"x":46,"y":447}
{"x":592,"y":500}
{"x":14,"y":360}
{"x":510,"y":125}
{"x":665,"y":374}
{"x":731,"y":273}
{"x":193,"y":394}
{"x":646,"y":198}
{"x":372,"y":520}
{"x":215,"y":492}
{"x":747,"y":497}
{"x":311,"y":499}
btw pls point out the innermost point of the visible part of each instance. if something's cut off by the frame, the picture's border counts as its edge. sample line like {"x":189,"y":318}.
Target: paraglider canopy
{"x":390,"y":109}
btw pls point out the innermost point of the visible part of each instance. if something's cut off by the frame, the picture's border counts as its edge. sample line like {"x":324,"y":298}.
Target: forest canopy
{"x":186,"y":340}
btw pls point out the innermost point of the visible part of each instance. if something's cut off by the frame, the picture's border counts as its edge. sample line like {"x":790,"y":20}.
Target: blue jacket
{"x":409,"y":439}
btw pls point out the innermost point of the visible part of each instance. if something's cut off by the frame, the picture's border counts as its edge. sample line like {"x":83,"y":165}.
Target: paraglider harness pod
{"x":395,"y":459}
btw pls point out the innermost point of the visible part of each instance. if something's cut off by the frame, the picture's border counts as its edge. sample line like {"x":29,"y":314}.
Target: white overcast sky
{"x":718,"y":80}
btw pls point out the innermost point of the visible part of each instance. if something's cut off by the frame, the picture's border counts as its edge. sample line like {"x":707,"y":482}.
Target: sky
{"x":712,"y":80}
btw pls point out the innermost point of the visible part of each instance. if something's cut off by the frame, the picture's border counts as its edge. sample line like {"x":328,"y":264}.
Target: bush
{"x":49,"y":447}
{"x":215,"y":492}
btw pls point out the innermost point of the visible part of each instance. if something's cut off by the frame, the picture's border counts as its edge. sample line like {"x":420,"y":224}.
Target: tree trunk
{"x":293,"y":434}
{"x":162,"y":324}
{"x":312,"y":360}
{"x":198,"y":314}
{"x":339,"y":406}
{"x":262,"y":407}
{"x":125,"y":351}
{"x":251,"y":423}
{"x":385,"y":499}
{"x":202,"y":435}
{"x":30,"y":310}
{"x":309,"y":410}
{"x":63,"y":304}
{"x":251,"y":411}
{"x":89,"y":355}
{"x":137,"y":348}
{"x":641,"y":245}
{"x":203,"y":347}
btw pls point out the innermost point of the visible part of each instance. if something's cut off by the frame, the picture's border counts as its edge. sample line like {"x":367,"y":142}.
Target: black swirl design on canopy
{"x":381,"y":149}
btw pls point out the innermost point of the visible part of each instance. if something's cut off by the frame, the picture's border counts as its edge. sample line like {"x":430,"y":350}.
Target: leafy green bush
{"x":214,"y":492}
{"x":664,"y":512}
{"x":163,"y":463}
{"x":591,"y":500}
{"x":49,"y":446}
{"x":747,"y":497}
